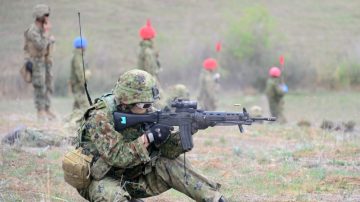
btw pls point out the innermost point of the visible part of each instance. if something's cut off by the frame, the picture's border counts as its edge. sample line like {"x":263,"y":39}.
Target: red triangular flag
{"x":218,"y":46}
{"x":282,"y":60}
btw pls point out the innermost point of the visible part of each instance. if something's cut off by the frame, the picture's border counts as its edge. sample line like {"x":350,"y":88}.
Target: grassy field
{"x":268,"y":162}
{"x":320,"y":32}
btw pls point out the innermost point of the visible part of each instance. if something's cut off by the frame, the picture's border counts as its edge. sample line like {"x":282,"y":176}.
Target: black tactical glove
{"x":158,"y":134}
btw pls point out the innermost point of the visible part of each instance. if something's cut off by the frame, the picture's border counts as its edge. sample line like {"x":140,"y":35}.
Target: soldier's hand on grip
{"x":158,"y":134}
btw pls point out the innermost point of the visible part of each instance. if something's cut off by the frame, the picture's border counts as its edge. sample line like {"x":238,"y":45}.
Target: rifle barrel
{"x":264,"y":118}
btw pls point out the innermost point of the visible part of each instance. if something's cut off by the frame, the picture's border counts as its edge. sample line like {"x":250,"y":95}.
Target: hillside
{"x":321,"y":32}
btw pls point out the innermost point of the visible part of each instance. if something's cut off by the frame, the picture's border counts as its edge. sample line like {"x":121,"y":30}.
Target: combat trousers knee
{"x":38,"y":81}
{"x":166,"y":174}
{"x":169,"y":173}
{"x":107,"y":189}
{"x":80,"y":101}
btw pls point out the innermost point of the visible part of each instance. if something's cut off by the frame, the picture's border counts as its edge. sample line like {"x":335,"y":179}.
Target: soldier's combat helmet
{"x":147,"y":32}
{"x":40,"y":10}
{"x":210,"y":64}
{"x":274,"y":72}
{"x":256,"y":111}
{"x":136,"y":86}
{"x":180,"y":91}
{"x":80,"y":42}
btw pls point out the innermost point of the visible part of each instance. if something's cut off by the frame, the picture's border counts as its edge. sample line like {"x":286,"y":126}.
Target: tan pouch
{"x":25,"y":74}
{"x":76,"y":167}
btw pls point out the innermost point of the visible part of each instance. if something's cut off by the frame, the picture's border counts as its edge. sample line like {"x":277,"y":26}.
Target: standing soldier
{"x":208,"y":85}
{"x":148,"y":56}
{"x":137,"y":162}
{"x":77,"y":75}
{"x":38,"y":46}
{"x":275,"y":91}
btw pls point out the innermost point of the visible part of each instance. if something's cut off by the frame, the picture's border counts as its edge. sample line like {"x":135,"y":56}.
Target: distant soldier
{"x":38,"y":51}
{"x":208,"y":85}
{"x":77,"y":75}
{"x":178,"y":91}
{"x":346,"y":127}
{"x":275,"y":91}
{"x":148,"y":56}
{"x":32,"y":137}
{"x":256,"y":112}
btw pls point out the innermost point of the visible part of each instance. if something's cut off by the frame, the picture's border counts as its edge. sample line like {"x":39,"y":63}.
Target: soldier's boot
{"x":14,"y":135}
{"x":222,"y":199}
{"x":41,"y":115}
{"x":51,"y":115}
{"x":136,"y":200}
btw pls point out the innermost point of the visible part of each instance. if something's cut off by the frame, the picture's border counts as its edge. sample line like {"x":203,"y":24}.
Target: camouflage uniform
{"x":275,"y":95}
{"x":208,"y":91}
{"x":77,"y":81}
{"x":148,"y":58}
{"x":32,"y":137}
{"x":135,"y":171}
{"x":38,"y":47}
{"x":148,"y":61}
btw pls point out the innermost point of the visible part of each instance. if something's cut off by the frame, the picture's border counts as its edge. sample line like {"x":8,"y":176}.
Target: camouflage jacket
{"x":148,"y":59}
{"x":120,"y":150}
{"x":77,"y":74}
{"x":37,"y":43}
{"x":273,"y":89}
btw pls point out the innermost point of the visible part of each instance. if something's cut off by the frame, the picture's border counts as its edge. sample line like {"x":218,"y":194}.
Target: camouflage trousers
{"x":167,"y":174}
{"x":276,"y":110}
{"x":80,"y":99}
{"x":42,"y":83}
{"x":207,"y":101}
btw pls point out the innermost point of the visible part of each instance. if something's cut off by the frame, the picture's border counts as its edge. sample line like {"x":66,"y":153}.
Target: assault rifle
{"x":188,"y":118}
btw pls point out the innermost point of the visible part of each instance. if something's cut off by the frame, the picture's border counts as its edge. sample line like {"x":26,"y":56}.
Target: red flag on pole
{"x":282,"y":60}
{"x":218,"y":46}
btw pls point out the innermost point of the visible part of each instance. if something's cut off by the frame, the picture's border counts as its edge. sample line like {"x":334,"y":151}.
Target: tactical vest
{"x":99,"y":168}
{"x":105,"y":101}
{"x":29,"y":46}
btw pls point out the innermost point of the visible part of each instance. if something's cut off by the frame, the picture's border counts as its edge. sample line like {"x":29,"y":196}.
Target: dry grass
{"x":321,"y":31}
{"x":266,"y":163}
